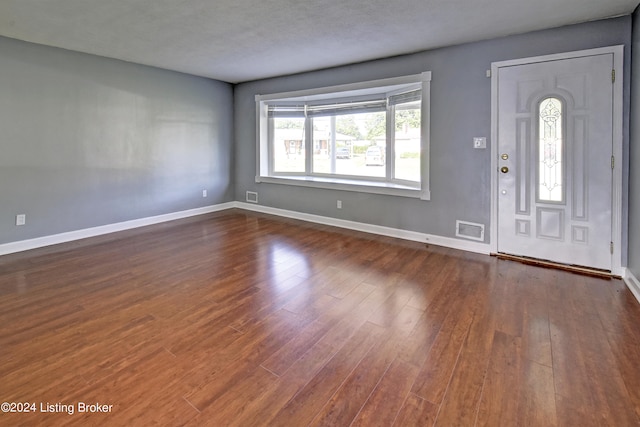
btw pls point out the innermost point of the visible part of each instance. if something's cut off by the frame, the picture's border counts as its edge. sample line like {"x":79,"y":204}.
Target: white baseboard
{"x":481,"y":248}
{"x":40,"y":242}
{"x":632,"y":283}
{"x":55,"y":239}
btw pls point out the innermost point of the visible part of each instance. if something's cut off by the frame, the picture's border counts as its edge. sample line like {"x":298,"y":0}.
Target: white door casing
{"x":561,"y":203}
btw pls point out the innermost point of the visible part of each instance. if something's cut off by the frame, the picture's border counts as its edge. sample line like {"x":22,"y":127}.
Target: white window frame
{"x":387,"y":185}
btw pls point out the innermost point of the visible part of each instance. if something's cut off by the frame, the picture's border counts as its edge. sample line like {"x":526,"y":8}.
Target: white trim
{"x":39,"y":242}
{"x":616,"y":199}
{"x":25,"y":245}
{"x":493,"y":235}
{"x":359,"y":86}
{"x":616,"y":220}
{"x":632,"y":283}
{"x":373,"y":187}
{"x":481,"y":248}
{"x":618,"y":49}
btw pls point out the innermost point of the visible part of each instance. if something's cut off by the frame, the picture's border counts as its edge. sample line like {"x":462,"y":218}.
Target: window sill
{"x":360,"y":186}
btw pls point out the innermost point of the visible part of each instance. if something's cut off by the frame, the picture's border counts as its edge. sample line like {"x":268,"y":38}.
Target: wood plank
{"x":501,"y":408}
{"x":307,"y":403}
{"x":210,"y":381}
{"x":437,"y":368}
{"x":460,"y":402}
{"x":417,"y":412}
{"x":538,"y":405}
{"x":384,"y":403}
{"x":347,"y":401}
{"x":303,"y":370}
{"x":281,"y":360}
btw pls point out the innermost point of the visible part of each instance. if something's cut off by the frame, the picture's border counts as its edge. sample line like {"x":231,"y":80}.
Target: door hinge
{"x":611,"y":247}
{"x":613,"y":76}
{"x":613,"y":162}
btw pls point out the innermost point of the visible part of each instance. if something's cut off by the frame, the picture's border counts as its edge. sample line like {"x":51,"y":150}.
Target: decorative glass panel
{"x":550,"y":172}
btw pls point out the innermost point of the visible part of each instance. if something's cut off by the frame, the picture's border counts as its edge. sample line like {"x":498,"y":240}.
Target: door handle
{"x":504,"y":169}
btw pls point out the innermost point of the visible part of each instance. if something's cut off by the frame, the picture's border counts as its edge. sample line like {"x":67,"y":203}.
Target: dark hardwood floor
{"x":237,"y":318}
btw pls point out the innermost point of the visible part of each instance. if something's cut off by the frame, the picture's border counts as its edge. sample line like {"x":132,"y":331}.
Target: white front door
{"x":555,"y":146}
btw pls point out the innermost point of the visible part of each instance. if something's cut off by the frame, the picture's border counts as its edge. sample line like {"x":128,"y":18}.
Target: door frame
{"x":616,"y":198}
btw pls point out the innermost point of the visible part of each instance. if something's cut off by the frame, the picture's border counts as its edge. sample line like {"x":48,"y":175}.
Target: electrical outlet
{"x":21,"y":219}
{"x":204,"y":193}
{"x":339,"y":204}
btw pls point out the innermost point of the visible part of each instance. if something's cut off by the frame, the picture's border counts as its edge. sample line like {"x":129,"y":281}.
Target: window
{"x":550,"y":148}
{"x":369,"y":137}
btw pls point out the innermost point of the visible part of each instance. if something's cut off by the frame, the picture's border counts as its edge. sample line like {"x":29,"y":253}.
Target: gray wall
{"x":87,"y":141}
{"x":634,"y":155}
{"x":460,"y":105}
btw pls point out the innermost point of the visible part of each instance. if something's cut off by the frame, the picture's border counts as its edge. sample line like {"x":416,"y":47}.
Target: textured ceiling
{"x":241,"y":40}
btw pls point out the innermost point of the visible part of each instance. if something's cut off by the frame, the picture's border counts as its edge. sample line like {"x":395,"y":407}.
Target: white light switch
{"x":480,"y":142}
{"x":21,"y":219}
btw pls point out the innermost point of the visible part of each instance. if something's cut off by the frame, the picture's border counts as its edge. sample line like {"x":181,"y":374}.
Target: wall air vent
{"x":470,"y":230}
{"x":252,"y":197}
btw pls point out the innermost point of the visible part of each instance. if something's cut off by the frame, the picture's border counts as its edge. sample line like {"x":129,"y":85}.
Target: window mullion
{"x":332,"y":146}
{"x":389,"y":148}
{"x":308,"y":145}
{"x":270,"y":131}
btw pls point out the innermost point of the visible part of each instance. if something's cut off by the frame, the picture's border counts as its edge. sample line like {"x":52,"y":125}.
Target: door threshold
{"x":588,"y":271}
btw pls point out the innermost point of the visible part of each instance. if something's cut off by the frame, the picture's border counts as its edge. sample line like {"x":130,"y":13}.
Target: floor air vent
{"x":470,"y":230}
